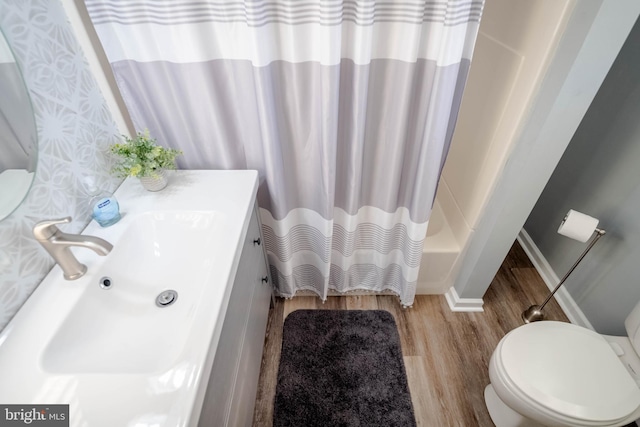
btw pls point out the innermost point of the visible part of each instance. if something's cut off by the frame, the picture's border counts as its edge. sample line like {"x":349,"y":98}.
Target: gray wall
{"x":599,"y":174}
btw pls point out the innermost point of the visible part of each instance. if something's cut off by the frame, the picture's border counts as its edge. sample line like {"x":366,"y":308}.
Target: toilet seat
{"x":563,"y":372}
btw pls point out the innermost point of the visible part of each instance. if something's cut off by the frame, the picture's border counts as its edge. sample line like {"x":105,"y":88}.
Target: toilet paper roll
{"x":578,"y":226}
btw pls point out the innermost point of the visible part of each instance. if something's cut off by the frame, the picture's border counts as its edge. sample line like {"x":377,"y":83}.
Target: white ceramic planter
{"x":155,"y":183}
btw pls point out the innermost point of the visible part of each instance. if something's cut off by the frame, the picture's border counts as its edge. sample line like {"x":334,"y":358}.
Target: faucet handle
{"x":47,"y":228}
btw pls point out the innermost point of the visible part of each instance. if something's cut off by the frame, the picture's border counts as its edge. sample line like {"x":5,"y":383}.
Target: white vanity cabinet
{"x":233,"y":382}
{"x":117,"y":357}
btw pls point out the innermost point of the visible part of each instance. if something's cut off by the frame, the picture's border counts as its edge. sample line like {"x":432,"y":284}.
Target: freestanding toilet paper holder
{"x":535,"y":313}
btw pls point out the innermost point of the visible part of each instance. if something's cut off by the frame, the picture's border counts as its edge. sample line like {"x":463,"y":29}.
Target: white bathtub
{"x":439,"y":254}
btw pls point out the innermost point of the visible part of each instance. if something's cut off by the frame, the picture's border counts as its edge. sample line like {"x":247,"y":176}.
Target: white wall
{"x":599,"y":174}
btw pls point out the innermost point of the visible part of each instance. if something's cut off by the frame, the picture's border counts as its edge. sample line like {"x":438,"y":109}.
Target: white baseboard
{"x":549,"y":276}
{"x":462,"y":304}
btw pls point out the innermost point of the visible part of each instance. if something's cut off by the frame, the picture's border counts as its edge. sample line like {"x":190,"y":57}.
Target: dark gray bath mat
{"x":342,"y":368}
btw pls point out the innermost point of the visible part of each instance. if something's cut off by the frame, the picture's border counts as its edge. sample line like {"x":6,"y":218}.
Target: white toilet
{"x":558,"y":374}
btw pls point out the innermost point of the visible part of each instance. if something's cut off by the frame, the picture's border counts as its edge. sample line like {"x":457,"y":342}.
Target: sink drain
{"x":166,"y":298}
{"x":106,"y":283}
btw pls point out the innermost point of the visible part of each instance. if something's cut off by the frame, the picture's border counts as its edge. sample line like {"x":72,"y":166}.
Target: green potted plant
{"x":141,"y":157}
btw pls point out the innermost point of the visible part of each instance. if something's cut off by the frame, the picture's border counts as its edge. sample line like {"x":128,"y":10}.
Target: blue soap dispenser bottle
{"x":104,"y":206}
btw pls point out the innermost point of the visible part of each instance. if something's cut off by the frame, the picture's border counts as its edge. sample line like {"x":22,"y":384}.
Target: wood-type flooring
{"x":446,"y":354}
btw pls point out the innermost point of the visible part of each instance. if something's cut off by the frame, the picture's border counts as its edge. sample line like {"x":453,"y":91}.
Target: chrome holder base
{"x":533,"y":314}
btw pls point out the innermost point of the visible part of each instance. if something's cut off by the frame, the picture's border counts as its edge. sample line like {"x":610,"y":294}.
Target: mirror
{"x":18,"y":137}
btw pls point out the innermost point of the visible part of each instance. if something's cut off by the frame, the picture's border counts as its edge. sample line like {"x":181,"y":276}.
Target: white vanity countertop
{"x":165,"y":391}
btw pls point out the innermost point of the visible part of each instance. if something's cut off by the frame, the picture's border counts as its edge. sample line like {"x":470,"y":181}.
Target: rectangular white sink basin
{"x":74,"y":342}
{"x":163,"y":251}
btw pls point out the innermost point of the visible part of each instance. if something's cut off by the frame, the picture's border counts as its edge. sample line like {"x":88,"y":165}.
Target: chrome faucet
{"x":57,"y":244}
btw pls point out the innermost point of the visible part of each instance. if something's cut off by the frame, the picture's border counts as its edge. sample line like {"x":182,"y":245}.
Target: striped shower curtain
{"x":345,"y":107}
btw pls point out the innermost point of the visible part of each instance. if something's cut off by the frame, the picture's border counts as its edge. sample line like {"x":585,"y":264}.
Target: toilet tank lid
{"x":570,"y":370}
